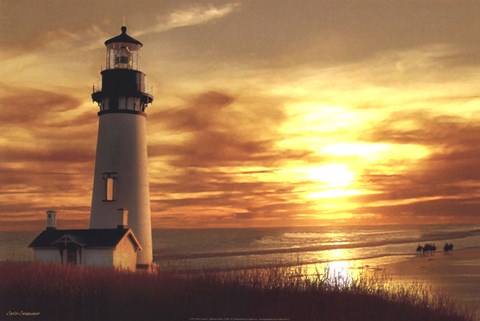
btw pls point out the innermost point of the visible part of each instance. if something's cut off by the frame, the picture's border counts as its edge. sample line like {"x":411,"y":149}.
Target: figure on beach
{"x":448,"y":247}
{"x":427,"y":247}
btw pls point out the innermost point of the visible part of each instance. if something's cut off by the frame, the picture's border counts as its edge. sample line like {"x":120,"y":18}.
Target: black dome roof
{"x":123,"y":37}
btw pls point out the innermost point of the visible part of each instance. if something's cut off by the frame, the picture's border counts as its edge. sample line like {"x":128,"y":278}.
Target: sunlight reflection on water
{"x":338,"y":268}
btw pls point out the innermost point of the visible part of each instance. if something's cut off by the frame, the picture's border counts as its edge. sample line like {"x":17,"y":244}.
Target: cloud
{"x":199,"y":15}
{"x":36,"y":104}
{"x":425,"y":128}
{"x":201,"y":114}
{"x":244,"y":215}
{"x":217,"y":133}
{"x":445,"y":183}
{"x":225,"y":162}
{"x":40,"y":110}
{"x":196,"y":15}
{"x":47,"y":152}
{"x":45,"y":129}
{"x":58,"y":154}
{"x":436,"y":211}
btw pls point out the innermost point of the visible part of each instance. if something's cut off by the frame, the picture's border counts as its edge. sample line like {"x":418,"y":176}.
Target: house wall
{"x":124,"y":255}
{"x":98,"y":257}
{"x":47,"y":255}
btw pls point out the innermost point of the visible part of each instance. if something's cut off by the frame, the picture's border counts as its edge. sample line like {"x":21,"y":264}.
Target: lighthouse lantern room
{"x":123,"y":84}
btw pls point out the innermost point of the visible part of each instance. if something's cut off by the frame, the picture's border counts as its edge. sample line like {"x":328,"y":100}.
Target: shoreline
{"x":456,"y":273}
{"x":445,"y":262}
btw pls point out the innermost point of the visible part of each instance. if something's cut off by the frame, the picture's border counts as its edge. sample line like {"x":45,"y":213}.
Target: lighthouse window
{"x":123,"y":58}
{"x":110,"y":186}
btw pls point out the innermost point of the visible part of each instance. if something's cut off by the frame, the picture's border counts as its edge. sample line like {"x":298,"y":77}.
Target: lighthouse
{"x":121,"y":171}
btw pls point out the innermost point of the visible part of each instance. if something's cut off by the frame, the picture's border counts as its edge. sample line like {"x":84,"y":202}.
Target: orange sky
{"x":266,"y":113}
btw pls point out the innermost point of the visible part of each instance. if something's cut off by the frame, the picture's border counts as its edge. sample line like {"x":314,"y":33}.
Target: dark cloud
{"x":424,"y":128}
{"x":47,"y":158}
{"x":452,"y":140}
{"x":65,"y":154}
{"x":47,"y":116}
{"x":45,"y":164}
{"x":192,"y":180}
{"x":220,"y":135}
{"x":208,"y":190}
{"x":28,"y":105}
{"x":244,"y":215}
{"x":436,"y":211}
{"x":445,"y":183}
{"x":34,"y":187}
{"x":200,"y":114}
{"x":213,"y":192}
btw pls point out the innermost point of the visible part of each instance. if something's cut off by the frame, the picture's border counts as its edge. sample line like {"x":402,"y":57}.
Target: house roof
{"x":84,"y":237}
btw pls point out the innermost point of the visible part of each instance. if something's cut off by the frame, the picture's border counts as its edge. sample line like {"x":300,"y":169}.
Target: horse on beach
{"x":448,"y":247}
{"x":427,"y":247}
{"x":431,"y":248}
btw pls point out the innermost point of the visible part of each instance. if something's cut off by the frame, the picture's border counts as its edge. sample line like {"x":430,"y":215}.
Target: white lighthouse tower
{"x":121,"y":173}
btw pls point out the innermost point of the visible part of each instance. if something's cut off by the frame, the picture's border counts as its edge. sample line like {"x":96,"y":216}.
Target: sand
{"x":456,"y":273}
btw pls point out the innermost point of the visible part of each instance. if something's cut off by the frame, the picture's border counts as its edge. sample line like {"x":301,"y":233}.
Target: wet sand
{"x":456,"y":273}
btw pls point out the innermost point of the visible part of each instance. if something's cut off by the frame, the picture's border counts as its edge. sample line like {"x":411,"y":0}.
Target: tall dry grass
{"x":81,"y":293}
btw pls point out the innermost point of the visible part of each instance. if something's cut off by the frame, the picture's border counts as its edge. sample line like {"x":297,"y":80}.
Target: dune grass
{"x":80,"y":293}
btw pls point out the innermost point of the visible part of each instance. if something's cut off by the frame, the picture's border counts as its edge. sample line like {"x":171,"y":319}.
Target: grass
{"x":81,"y":293}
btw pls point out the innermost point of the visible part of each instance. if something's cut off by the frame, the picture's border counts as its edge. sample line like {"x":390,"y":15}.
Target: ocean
{"x":247,"y":247}
{"x":240,"y":248}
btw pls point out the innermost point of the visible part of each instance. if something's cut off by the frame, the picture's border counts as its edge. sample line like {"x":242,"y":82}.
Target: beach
{"x":456,"y":273}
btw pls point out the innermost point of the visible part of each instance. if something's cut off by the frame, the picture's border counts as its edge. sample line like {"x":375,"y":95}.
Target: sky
{"x":267,"y":113}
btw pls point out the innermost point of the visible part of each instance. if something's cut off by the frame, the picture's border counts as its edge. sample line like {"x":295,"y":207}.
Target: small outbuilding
{"x":115,"y":247}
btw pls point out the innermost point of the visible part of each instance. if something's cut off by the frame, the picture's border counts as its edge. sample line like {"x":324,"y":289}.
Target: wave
{"x":431,"y":236}
{"x":427,"y":237}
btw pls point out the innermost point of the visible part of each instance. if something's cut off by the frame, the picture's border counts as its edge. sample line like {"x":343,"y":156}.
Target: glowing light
{"x":339,"y":270}
{"x":312,"y":117}
{"x":364,"y":150}
{"x":334,"y":193}
{"x":337,"y":266}
{"x":335,"y":175}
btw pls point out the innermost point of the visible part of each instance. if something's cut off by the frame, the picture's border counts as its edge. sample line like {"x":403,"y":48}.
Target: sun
{"x":331,"y":181}
{"x":333,"y":175}
{"x":328,"y":181}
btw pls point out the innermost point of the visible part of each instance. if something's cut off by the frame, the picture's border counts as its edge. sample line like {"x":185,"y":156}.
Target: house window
{"x":110,"y":186}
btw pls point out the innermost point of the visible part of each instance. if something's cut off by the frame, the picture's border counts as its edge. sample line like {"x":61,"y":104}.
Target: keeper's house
{"x":115,"y":247}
